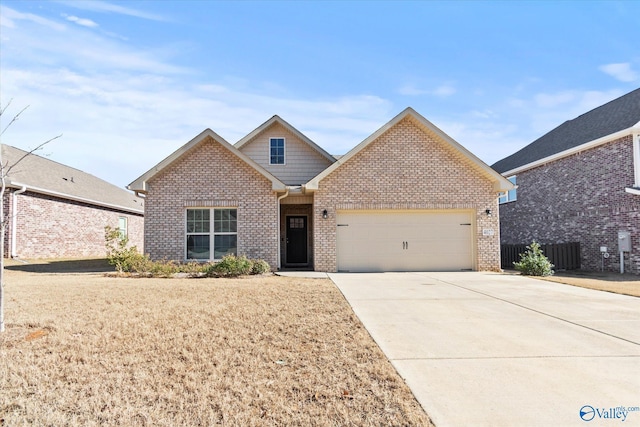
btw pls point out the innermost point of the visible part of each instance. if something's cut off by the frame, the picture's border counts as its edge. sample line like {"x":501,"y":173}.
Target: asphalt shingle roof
{"x":37,"y":172}
{"x":619,"y":114}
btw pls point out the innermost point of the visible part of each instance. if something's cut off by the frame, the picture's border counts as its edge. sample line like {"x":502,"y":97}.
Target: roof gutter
{"x":14,"y":218}
{"x":75,"y":198}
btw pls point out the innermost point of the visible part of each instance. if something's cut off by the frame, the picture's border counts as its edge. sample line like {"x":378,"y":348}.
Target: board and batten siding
{"x":302,"y":162}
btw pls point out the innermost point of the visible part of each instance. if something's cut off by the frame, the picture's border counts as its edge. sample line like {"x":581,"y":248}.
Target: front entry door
{"x":297,"y":240}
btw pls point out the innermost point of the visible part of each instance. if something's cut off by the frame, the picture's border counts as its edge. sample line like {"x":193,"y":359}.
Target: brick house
{"x":407,"y":198}
{"x":55,"y":211}
{"x":580,"y":183}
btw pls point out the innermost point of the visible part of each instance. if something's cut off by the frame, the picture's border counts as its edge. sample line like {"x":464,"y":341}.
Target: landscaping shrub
{"x":127,"y":259}
{"x":123,"y":257}
{"x":233,"y":266}
{"x":533,"y":262}
{"x":260,"y":266}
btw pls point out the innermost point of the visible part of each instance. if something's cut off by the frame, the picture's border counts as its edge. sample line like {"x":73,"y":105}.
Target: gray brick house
{"x":407,"y":198}
{"x":580,"y":183}
{"x":56,"y":211}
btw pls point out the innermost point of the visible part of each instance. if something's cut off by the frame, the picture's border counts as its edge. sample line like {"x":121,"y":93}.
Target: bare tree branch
{"x":15,"y":118}
{"x":5,"y":168}
{"x":5,"y":171}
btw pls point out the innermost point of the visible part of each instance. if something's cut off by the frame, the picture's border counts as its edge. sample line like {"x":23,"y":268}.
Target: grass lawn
{"x":82,"y":349}
{"x":625,"y":284}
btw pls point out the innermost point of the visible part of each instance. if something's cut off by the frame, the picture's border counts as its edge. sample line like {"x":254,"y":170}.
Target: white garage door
{"x":414,"y":240}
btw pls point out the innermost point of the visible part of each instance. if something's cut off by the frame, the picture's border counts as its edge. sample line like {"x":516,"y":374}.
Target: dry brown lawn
{"x":82,"y":349}
{"x":626,"y":284}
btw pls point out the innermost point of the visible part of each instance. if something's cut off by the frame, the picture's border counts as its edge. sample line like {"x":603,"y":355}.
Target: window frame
{"x":124,"y":231}
{"x":284,"y":151}
{"x":636,"y":160}
{"x":210,"y":232}
{"x":511,"y":195}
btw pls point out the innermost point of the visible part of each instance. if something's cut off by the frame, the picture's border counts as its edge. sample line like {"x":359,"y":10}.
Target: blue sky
{"x":127,"y":83}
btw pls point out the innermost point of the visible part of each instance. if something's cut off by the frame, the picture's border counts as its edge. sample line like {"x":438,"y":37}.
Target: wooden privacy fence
{"x":564,"y":256}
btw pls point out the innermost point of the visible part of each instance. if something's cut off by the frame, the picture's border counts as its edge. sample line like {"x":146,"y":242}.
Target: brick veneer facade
{"x":406,"y":168}
{"x":50,"y":227}
{"x":210,"y":176}
{"x":579,"y":198}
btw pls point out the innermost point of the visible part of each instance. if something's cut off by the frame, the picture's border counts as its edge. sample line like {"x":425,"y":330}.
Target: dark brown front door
{"x":297,"y":240}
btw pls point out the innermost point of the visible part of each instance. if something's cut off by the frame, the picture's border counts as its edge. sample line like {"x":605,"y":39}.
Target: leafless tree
{"x":5,"y":169}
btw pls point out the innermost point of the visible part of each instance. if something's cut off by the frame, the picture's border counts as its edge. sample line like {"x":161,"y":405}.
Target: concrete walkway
{"x":486,"y":349}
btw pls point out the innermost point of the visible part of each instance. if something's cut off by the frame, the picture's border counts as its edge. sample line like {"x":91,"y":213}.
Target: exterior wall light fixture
{"x":488,"y":212}
{"x":325,"y":214}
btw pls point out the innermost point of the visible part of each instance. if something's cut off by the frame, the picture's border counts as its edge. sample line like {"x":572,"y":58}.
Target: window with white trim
{"x":276,"y":151}
{"x":511,"y":195}
{"x":122,"y":227}
{"x":636,"y":159}
{"x":211,"y":233}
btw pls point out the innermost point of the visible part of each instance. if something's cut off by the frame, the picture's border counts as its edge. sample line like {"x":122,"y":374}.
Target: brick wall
{"x":209,"y":175}
{"x":406,"y":168}
{"x":579,"y":198}
{"x":50,"y":227}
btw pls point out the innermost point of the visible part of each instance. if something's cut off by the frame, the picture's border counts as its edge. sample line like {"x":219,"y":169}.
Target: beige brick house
{"x":56,"y":211}
{"x":407,"y":198}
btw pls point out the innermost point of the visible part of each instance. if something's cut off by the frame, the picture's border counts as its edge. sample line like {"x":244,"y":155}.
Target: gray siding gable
{"x":302,"y":160}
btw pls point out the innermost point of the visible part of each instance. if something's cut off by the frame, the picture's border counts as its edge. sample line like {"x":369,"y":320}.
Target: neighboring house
{"x":55,"y":211}
{"x":407,"y":198}
{"x":580,"y":183}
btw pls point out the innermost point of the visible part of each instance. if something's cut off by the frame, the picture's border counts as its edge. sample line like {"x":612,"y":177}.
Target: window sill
{"x":633,"y":190}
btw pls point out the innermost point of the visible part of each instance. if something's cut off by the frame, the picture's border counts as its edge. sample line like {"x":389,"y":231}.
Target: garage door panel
{"x":405,"y":240}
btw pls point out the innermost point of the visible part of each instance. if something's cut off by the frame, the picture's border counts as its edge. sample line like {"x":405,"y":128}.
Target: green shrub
{"x":123,"y":257}
{"x":533,"y":262}
{"x":126,"y":259}
{"x":233,"y":266}
{"x":260,"y":266}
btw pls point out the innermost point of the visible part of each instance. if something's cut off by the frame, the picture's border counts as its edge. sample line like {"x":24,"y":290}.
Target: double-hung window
{"x":211,"y":233}
{"x":510,"y":195}
{"x":276,"y":151}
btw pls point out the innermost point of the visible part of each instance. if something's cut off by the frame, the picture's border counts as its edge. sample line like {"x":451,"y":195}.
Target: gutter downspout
{"x":14,"y":217}
{"x":286,"y":193}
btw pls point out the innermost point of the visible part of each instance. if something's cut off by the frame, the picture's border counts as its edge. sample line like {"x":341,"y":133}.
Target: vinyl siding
{"x":302,"y":162}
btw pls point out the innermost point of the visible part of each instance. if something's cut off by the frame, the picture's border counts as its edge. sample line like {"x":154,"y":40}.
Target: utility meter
{"x":624,"y":241}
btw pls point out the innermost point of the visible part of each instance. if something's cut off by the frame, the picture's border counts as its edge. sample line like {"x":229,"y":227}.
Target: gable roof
{"x":277,"y":119}
{"x":500,"y":183}
{"x":602,"y":124}
{"x":140,"y":184}
{"x":44,"y":176}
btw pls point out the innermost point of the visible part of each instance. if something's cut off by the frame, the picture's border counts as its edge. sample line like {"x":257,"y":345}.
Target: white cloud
{"x":28,"y":40}
{"x":81,"y":21}
{"x":10,"y":16}
{"x":106,"y":7}
{"x":621,"y":71}
{"x":117,"y":124}
{"x":443,"y":91}
{"x":552,"y":100}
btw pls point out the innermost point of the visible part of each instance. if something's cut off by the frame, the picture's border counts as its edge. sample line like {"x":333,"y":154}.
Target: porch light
{"x":488,"y":212}
{"x":325,"y":214}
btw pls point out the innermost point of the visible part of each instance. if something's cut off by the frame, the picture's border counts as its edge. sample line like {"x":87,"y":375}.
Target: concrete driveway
{"x":487,"y":349}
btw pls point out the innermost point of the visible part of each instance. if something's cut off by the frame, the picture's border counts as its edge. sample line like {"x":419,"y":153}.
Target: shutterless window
{"x":276,"y":151}
{"x":211,"y":233}
{"x":510,"y":195}
{"x":122,"y":226}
